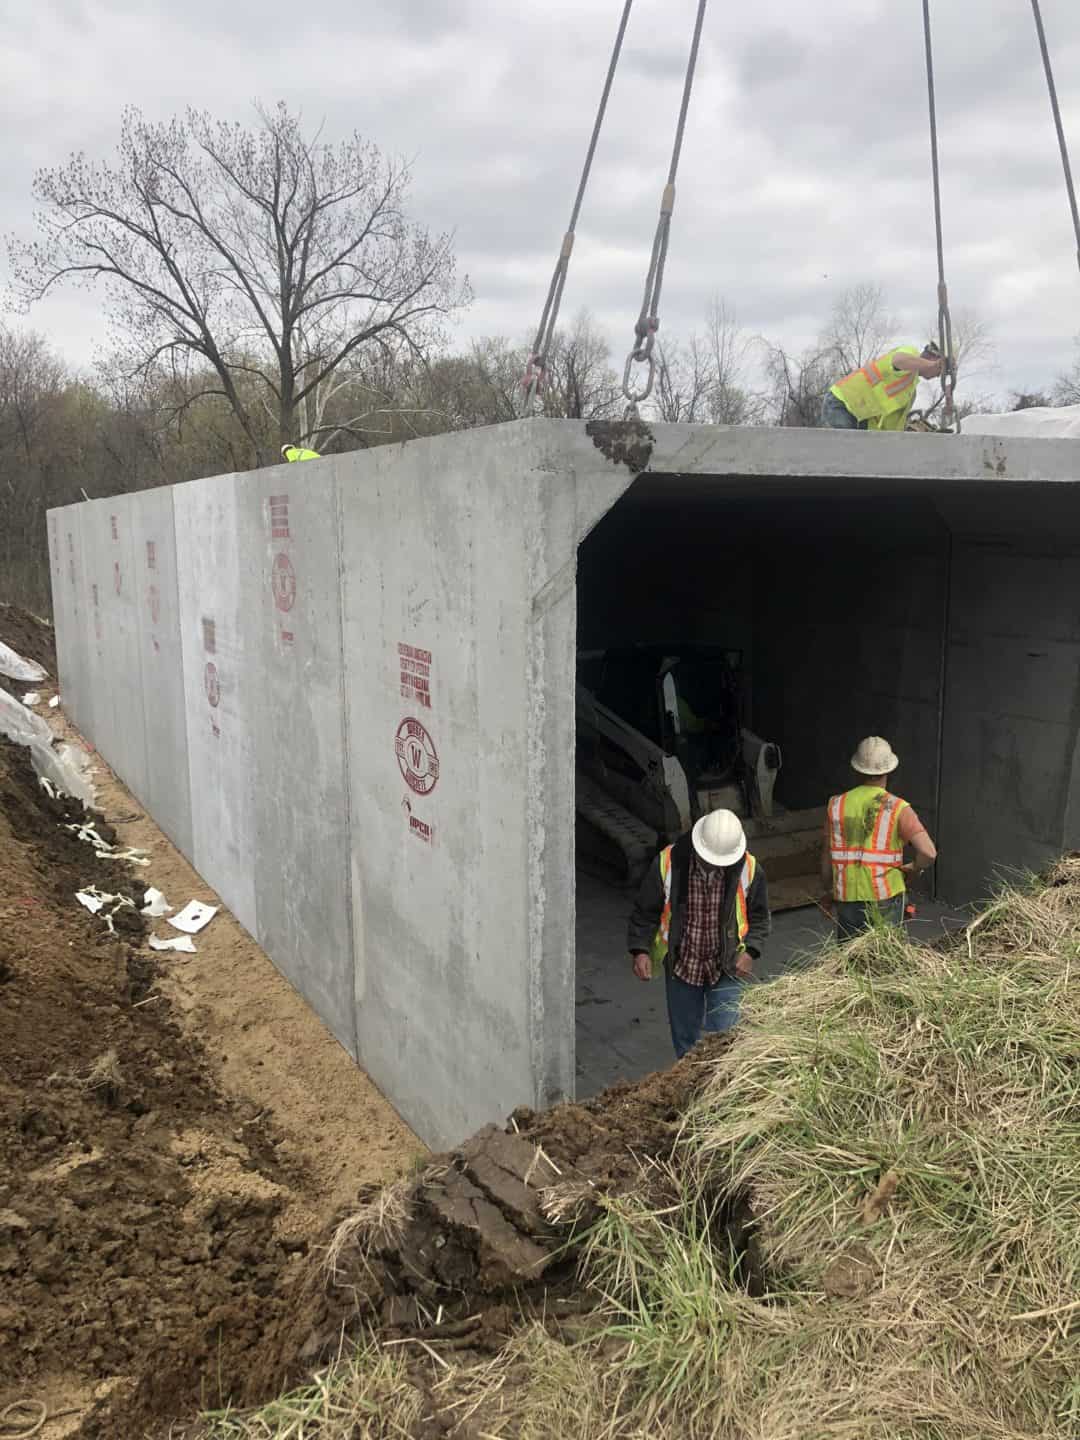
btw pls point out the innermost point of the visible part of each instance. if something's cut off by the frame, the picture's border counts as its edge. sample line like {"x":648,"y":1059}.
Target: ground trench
{"x":144,"y":1206}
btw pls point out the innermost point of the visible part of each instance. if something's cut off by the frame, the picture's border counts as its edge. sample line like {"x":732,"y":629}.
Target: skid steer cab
{"x":660,"y":741}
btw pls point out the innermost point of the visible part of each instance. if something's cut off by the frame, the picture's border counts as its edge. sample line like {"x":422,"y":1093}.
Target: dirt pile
{"x":137,"y":1203}
{"x":484,"y":1237}
{"x":32,"y":638}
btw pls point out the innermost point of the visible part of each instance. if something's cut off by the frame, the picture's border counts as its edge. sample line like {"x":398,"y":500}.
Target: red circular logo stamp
{"x":213,"y":684}
{"x":417,"y":757}
{"x":153,"y":599}
{"x":283,"y":582}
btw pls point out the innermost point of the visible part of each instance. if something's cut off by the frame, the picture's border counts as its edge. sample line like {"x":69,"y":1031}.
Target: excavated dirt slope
{"x":178,"y":1139}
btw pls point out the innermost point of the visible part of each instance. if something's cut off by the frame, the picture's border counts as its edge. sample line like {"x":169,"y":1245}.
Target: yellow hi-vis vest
{"x":879,"y":393}
{"x":294,"y":452}
{"x":865,"y":845}
{"x":659,"y":950}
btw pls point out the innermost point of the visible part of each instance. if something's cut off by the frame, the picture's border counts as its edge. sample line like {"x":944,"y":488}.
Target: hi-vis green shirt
{"x":294,"y":452}
{"x":879,"y":393}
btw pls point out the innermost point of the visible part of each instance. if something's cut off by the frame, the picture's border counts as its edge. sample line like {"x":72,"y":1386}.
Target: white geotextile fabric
{"x":1042,"y":423}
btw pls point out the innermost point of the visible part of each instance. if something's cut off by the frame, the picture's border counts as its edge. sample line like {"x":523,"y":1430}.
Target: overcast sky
{"x":805,"y":168}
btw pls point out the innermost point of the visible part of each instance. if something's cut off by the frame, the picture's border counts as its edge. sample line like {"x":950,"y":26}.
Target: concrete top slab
{"x":724,"y":450}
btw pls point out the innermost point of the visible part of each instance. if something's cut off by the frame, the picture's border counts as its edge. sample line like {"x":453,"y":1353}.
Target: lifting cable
{"x":533,"y":379}
{"x":649,"y":320}
{"x":1057,"y":122}
{"x":948,"y":374}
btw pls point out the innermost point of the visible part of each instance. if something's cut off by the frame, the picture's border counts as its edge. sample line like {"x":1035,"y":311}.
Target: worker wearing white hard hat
{"x":866,"y":831}
{"x":701,"y":916}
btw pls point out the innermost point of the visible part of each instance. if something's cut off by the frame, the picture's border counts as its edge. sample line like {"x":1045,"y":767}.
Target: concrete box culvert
{"x":346,"y":689}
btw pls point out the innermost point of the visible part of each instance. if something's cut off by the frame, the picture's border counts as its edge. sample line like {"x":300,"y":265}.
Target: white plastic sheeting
{"x":15,"y":667}
{"x":1044,"y":422}
{"x":65,"y":767}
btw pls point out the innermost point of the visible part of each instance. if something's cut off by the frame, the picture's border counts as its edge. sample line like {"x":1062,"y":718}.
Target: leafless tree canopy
{"x":1067,"y":385}
{"x":262,"y":254}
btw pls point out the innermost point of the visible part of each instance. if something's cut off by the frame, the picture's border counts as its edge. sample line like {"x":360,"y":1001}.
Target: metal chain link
{"x":948,"y":374}
{"x":1056,"y":108}
{"x":535,"y":372}
{"x":648,"y":322}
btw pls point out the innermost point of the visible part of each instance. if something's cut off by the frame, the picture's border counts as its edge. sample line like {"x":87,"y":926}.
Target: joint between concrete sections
{"x":556,"y":589}
{"x":346,"y":740}
{"x":535,"y":822}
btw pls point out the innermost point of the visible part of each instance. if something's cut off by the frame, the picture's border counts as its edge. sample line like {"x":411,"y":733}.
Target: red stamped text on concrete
{"x":417,"y":757}
{"x":153,"y":600}
{"x":279,"y":517}
{"x":420,"y":828}
{"x":115,"y":531}
{"x":117,"y":582}
{"x":151,"y":554}
{"x":212,"y":683}
{"x":283,"y":582}
{"x":414,"y":669}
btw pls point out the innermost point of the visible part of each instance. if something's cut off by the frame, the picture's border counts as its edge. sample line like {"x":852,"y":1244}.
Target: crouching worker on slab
{"x":702,"y":915}
{"x":866,"y":829}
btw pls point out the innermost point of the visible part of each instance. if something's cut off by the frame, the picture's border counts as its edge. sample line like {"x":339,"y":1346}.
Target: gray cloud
{"x":805,"y":167}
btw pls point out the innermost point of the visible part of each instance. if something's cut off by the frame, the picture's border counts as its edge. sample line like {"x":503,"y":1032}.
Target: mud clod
{"x":623,"y":442}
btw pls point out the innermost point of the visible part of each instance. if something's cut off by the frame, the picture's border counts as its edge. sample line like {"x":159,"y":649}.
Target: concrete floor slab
{"x":621,"y":1022}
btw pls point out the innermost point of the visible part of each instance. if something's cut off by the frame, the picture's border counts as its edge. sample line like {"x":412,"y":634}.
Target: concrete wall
{"x":333,"y":685}
{"x":346,"y":691}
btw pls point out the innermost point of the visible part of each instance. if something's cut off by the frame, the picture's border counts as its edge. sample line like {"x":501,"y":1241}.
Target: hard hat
{"x":286,"y":448}
{"x":874,"y":757}
{"x":719,"y":838}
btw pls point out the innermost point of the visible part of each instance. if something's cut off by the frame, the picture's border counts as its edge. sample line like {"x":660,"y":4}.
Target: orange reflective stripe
{"x":665,"y":874}
{"x":873,"y":374}
{"x":836,"y":817}
{"x":746,"y":879}
{"x":897,"y":387}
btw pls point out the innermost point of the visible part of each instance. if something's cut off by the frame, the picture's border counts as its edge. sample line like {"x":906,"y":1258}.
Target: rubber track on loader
{"x":636,"y":841}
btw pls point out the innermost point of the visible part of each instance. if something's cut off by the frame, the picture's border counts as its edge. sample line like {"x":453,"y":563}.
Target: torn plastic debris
{"x":86,"y":831}
{"x":31,"y":697}
{"x":15,"y":667}
{"x":95,"y":901}
{"x":155,"y":904}
{"x":178,"y":942}
{"x":65,"y":767}
{"x":193,"y":917}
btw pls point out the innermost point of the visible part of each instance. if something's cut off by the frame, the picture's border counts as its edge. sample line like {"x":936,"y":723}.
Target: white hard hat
{"x":874,"y":757}
{"x":719,"y":837}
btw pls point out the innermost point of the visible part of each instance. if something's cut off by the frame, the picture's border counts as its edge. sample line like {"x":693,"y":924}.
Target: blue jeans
{"x":836,"y":416}
{"x":696,"y":1010}
{"x":855,"y":916}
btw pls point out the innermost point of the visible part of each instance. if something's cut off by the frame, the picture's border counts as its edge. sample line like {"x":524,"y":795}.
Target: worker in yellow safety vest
{"x":880,"y":394}
{"x":866,"y":830}
{"x":294,"y":452}
{"x":701,"y":916}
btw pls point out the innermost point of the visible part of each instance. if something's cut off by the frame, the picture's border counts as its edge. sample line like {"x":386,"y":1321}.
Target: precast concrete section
{"x":346,"y":688}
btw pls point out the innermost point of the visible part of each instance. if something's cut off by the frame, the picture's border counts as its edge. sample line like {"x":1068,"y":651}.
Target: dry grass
{"x":363,"y":1396}
{"x":374,"y":1225}
{"x":906,"y":1123}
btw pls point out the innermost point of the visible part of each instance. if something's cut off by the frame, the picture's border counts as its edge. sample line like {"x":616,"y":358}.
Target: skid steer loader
{"x":660,"y":741}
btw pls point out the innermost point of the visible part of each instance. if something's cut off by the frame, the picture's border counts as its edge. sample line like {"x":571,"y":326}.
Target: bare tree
{"x":859,"y":329}
{"x":1067,"y":384}
{"x":797,"y":384}
{"x":262,"y":253}
{"x":704,"y":379}
{"x":580,"y":382}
